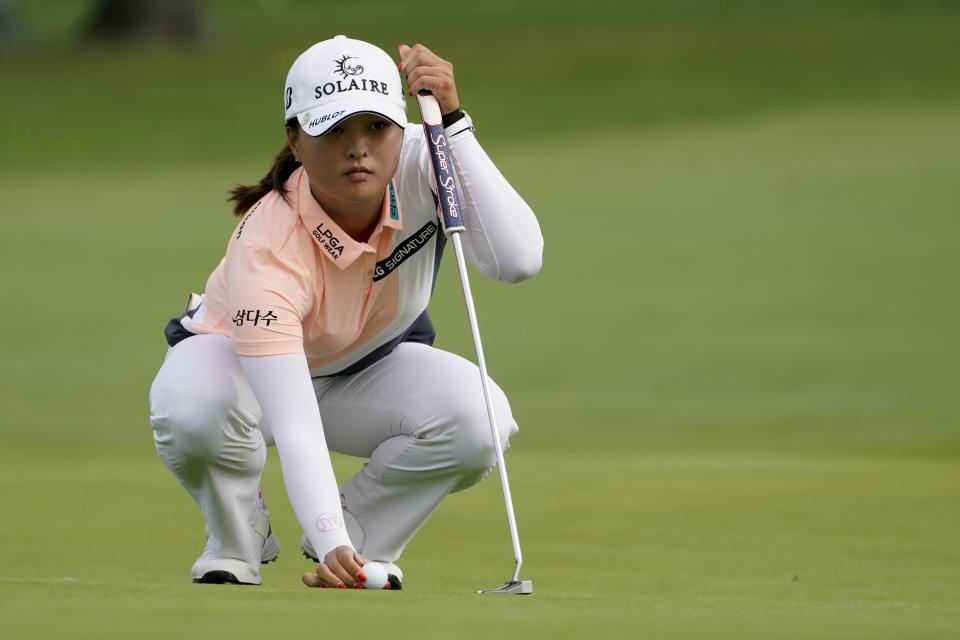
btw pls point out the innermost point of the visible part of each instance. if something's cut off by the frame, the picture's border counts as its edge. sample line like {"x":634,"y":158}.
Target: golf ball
{"x":376,"y":575}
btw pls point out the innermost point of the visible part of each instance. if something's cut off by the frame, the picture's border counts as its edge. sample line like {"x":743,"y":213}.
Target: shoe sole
{"x":269,"y":553}
{"x":219,"y":577}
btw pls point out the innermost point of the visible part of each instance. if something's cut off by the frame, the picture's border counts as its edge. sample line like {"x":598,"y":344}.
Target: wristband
{"x":454,"y":116}
{"x":457,"y":122}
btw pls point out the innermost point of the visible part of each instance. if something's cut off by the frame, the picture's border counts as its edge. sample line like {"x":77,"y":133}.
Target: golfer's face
{"x":351,"y":164}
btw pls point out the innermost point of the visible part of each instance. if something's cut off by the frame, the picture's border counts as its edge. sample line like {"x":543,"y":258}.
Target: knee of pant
{"x":193,"y":421}
{"x":473,"y":445}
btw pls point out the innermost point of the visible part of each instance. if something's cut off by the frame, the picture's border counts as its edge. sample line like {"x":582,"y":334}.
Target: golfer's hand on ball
{"x":340,"y":569}
{"x":424,"y":69}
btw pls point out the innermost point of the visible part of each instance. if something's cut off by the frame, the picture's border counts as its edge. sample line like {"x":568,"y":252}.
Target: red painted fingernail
{"x":361,"y":577}
{"x":400,"y":67}
{"x":411,"y":93}
{"x":341,"y":586}
{"x":402,"y":45}
{"x":387,"y":586}
{"x":323,"y":585}
{"x":358,"y":586}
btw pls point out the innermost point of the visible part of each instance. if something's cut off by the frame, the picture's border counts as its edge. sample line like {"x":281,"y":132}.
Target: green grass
{"x":735,"y":377}
{"x":712,"y":546}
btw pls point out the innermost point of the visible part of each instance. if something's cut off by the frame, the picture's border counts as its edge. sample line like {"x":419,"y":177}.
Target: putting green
{"x":735,"y":377}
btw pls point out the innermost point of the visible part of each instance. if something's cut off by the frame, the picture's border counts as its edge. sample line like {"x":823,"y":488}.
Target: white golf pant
{"x":418,"y":414}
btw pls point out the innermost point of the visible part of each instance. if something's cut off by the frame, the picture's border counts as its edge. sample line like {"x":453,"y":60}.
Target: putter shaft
{"x":494,"y":432}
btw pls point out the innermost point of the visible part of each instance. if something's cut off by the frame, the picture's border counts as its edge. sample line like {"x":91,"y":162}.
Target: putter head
{"x":520,"y":587}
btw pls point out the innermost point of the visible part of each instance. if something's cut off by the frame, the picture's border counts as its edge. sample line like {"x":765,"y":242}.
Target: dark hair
{"x":284,"y":164}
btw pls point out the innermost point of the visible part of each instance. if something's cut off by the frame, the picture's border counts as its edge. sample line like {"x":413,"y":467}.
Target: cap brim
{"x":319,"y":121}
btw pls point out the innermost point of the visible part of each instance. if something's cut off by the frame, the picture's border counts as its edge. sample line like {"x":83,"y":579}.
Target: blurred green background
{"x":736,"y":376}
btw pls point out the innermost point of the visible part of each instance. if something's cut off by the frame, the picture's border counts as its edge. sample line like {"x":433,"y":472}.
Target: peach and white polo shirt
{"x":292,"y":281}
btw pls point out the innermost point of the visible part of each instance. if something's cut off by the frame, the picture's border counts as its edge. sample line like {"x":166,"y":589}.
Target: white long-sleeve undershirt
{"x":282,"y":386}
{"x":502,"y":238}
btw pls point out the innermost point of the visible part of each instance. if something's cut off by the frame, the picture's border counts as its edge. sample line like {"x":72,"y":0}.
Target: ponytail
{"x":284,"y":164}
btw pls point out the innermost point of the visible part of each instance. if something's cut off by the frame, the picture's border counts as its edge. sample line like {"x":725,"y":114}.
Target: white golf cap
{"x":341,"y":77}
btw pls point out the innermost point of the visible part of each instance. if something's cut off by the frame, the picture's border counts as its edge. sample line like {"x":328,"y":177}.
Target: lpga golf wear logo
{"x":345,"y":67}
{"x":330,"y":242}
{"x":329,"y":522}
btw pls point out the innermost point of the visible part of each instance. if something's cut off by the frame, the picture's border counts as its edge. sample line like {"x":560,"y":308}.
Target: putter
{"x":452,"y":221}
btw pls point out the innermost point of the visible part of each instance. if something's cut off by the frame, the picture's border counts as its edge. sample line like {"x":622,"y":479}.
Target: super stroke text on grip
{"x":448,"y":184}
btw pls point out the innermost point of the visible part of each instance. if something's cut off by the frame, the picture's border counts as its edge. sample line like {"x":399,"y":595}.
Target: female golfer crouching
{"x":312,"y":333}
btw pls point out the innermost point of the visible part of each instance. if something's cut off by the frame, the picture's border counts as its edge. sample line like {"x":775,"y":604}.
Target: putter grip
{"x":447,"y":198}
